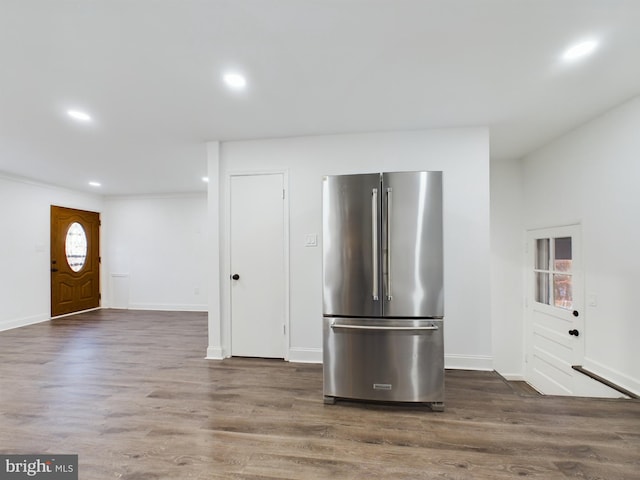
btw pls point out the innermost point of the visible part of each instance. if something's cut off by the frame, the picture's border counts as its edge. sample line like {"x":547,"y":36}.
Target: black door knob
{"x":575,"y":313}
{"x":574,"y":332}
{"x":235,"y":276}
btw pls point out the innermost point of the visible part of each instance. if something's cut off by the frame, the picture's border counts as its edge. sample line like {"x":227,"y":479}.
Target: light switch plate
{"x":311,"y":240}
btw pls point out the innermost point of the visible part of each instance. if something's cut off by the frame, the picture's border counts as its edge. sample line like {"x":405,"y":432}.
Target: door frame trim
{"x":226,"y":259}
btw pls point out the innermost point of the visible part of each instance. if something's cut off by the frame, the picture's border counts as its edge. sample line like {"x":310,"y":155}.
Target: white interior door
{"x":555,"y":330}
{"x":257,"y":247}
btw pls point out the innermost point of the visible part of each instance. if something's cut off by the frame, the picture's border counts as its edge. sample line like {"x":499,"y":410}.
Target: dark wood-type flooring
{"x":132,"y":395}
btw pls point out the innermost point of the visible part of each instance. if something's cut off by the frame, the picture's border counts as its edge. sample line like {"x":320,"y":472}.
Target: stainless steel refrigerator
{"x":383,"y":297}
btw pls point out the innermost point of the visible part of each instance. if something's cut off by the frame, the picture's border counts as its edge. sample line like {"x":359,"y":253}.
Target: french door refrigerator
{"x":383,"y":298}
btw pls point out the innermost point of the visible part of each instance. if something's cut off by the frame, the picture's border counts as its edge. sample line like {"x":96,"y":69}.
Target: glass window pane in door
{"x":542,"y":254}
{"x":563,"y":255}
{"x":562,"y":291}
{"x":76,"y":246}
{"x":543,"y":293}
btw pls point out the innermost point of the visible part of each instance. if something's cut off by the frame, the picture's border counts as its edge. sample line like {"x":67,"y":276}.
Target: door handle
{"x":54,"y":270}
{"x":235,"y":276}
{"x":376,"y":327}
{"x":389,"y":294}
{"x":574,"y":332}
{"x":575,"y":313}
{"x":374,"y":242}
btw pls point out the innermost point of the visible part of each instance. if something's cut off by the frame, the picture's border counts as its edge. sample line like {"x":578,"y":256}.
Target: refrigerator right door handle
{"x":374,"y":242}
{"x":388,"y":229}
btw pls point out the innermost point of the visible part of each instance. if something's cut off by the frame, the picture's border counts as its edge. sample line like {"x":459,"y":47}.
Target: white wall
{"x":507,"y":256}
{"x":592,"y":176}
{"x":25,"y":291}
{"x":463,"y":155}
{"x":156,"y":249}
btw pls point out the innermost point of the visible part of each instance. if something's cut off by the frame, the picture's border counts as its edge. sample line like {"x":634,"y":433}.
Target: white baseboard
{"x":457,"y":362}
{"x":23,"y":322}
{"x":513,"y":377}
{"x":314,"y":355}
{"x":619,"y":378}
{"x":214,"y":353}
{"x":305,"y":355}
{"x":296,"y":355}
{"x":76,"y":313}
{"x":169,"y":307}
{"x":468,"y":362}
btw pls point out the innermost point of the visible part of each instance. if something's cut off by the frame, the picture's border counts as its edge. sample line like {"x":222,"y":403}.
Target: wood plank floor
{"x":132,"y":395}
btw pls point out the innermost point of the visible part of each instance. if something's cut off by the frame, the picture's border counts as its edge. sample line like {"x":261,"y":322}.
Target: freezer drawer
{"x":384,"y":360}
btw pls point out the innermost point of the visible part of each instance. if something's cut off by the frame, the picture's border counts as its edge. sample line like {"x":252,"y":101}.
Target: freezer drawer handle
{"x":374,"y":241}
{"x":374,"y":327}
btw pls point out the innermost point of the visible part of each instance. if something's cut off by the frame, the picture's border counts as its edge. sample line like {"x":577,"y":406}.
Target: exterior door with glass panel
{"x":75,"y":260}
{"x":555,"y":340}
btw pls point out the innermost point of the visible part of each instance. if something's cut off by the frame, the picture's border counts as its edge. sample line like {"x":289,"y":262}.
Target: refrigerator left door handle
{"x":374,"y":241}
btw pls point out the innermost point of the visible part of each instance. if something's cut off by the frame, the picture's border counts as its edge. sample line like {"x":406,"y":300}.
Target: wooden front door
{"x":75,"y":260}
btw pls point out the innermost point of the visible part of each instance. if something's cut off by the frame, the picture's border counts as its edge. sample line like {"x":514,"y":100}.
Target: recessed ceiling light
{"x":579,"y":50}
{"x":78,"y":115}
{"x":205,"y":179}
{"x":95,"y":184}
{"x":235,"y":80}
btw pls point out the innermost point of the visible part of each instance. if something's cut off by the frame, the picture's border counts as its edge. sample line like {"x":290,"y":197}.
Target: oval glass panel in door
{"x":76,"y":246}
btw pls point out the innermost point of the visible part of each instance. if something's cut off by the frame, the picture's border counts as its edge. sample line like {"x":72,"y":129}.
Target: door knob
{"x":575,"y":313}
{"x":235,"y":276}
{"x":574,"y":332}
